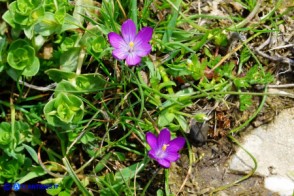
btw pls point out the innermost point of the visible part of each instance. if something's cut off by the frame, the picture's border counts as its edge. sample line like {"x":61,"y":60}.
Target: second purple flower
{"x":164,"y":150}
{"x":131,"y":46}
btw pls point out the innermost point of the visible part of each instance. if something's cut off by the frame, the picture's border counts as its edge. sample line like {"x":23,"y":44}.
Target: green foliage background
{"x":72,"y":115}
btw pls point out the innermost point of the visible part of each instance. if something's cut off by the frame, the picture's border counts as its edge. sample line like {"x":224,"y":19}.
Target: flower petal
{"x":128,"y":30}
{"x":133,"y":59}
{"x":143,"y":50}
{"x":152,"y":154}
{"x":172,"y":156}
{"x":176,"y":144}
{"x":144,"y":36}
{"x":164,"y":163}
{"x":163,"y":137}
{"x":151,"y":140}
{"x":120,"y":54}
{"x":116,"y":40}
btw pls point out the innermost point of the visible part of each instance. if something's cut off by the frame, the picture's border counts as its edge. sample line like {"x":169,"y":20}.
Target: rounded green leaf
{"x":9,"y":169}
{"x":32,"y":69}
{"x":25,"y":12}
{"x":21,"y":56}
{"x":99,"y":44}
{"x":65,"y":108}
{"x":5,"y":134}
{"x":24,"y":7}
{"x":50,"y":113}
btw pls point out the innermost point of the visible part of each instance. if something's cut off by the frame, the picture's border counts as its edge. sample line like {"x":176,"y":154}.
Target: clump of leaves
{"x":21,"y":56}
{"x":14,"y":164}
{"x":23,"y":12}
{"x":5,"y":135}
{"x":64,"y":109}
{"x":39,"y":17}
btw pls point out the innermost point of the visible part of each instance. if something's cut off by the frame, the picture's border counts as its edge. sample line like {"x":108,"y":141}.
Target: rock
{"x":282,"y":185}
{"x":198,"y":132}
{"x":272,"y":147}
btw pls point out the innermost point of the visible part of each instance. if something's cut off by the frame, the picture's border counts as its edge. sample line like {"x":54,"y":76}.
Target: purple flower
{"x":164,"y":150}
{"x":131,"y":46}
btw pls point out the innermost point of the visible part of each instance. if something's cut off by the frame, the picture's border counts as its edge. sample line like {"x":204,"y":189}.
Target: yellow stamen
{"x":164,"y":147}
{"x":131,"y":44}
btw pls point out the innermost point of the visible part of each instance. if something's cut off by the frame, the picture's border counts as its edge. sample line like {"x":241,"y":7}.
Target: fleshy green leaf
{"x":57,"y":75}
{"x":182,"y":121}
{"x":36,"y":172}
{"x":32,"y":69}
{"x":54,"y":191}
{"x":127,"y":173}
{"x":88,"y":137}
{"x":165,"y":118}
{"x":69,"y":59}
{"x":64,"y":109}
{"x":5,"y":135}
{"x":32,"y":152}
{"x":21,"y":56}
{"x":47,"y":25}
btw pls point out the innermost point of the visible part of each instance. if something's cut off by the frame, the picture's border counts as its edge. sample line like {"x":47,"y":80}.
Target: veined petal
{"x":116,"y":40}
{"x":152,"y":154}
{"x":120,"y":53}
{"x":176,"y":144}
{"x":151,"y":140}
{"x":164,"y":163}
{"x":133,"y":59}
{"x":144,"y":36}
{"x":143,"y":50}
{"x":128,"y":31}
{"x":163,"y":137}
{"x":172,"y":156}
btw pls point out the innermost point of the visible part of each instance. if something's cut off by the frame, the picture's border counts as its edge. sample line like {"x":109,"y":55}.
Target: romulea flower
{"x":131,"y":46}
{"x":164,"y":150}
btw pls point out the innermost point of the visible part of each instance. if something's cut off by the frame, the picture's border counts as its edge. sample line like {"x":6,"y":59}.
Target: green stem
{"x":248,"y":18}
{"x":149,"y":182}
{"x":182,"y":113}
{"x":134,"y":14}
{"x":74,"y":177}
{"x":79,"y":11}
{"x":284,"y":94}
{"x":141,"y":94}
{"x":244,"y":177}
{"x":192,"y":160}
{"x":172,"y":22}
{"x":62,"y":141}
{"x":166,"y":186}
{"x":251,"y":118}
{"x":81,"y":61}
{"x":230,"y":136}
{"x":165,"y":78}
{"x":97,"y":153}
{"x":83,"y":132}
{"x":192,"y":23}
{"x":12,"y":109}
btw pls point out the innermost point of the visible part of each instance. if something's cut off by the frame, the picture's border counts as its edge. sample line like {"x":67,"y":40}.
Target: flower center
{"x":164,"y":147}
{"x":131,"y":44}
{"x":161,"y":152}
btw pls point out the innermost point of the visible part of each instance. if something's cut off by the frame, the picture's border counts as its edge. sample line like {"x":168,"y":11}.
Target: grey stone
{"x":272,"y":146}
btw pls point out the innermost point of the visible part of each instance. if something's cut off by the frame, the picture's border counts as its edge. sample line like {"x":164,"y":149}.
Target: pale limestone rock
{"x":273,"y":147}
